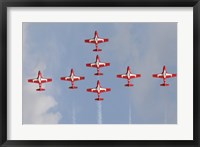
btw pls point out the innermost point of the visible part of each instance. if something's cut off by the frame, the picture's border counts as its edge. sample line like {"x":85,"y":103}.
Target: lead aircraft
{"x":96,"y":40}
{"x":40,"y":80}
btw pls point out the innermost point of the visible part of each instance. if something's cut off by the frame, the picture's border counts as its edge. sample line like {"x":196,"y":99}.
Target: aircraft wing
{"x":92,"y":90}
{"x":66,"y":78}
{"x":122,"y":76}
{"x":105,"y":89}
{"x":90,"y":41}
{"x":33,"y":81}
{"x":170,"y":75}
{"x":101,"y":64}
{"x":101,"y":40}
{"x":135,"y":76}
{"x":91,"y":65}
{"x":76,"y":78}
{"x":158,"y":75}
{"x":44,"y":80}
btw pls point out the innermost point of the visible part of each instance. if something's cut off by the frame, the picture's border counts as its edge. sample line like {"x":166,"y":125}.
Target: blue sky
{"x":55,"y":48}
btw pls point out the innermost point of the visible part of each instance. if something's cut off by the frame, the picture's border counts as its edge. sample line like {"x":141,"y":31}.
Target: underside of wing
{"x":78,"y":78}
{"x":105,"y":89}
{"x":170,"y":75}
{"x":33,"y":81}
{"x":44,"y":80}
{"x":66,"y":78}
{"x":89,"y":41}
{"x":92,"y":90}
{"x":91,"y":65}
{"x":104,"y":64}
{"x":122,"y":76}
{"x":101,"y":40}
{"x":158,"y":76}
{"x":135,"y":76}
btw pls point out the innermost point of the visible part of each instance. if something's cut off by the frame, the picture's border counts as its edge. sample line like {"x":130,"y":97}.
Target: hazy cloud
{"x":37,"y":106}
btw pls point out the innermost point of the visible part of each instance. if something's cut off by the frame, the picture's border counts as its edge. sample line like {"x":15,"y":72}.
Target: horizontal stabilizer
{"x":97,"y":50}
{"x":164,"y":84}
{"x":73,"y":87}
{"x":40,"y":89}
{"x":98,"y":74}
{"x":99,"y":99}
{"x":129,"y":85}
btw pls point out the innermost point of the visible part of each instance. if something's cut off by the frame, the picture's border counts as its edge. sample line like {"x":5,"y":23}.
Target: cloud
{"x":37,"y":106}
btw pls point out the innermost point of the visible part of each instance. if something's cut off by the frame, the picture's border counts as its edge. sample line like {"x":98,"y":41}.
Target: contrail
{"x":99,"y":112}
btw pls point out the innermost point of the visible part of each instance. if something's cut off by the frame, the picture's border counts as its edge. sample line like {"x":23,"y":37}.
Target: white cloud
{"x":37,"y":106}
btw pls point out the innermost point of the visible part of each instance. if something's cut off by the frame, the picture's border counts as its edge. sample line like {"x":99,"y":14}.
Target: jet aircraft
{"x":98,"y":64}
{"x":129,"y":75}
{"x":72,"y":78}
{"x":40,"y":80}
{"x":96,"y":40}
{"x":164,"y":75}
{"x":99,"y":89}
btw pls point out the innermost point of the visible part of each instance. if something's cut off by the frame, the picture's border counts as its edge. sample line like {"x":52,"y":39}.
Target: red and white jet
{"x":96,"y":40}
{"x":99,"y":90}
{"x":164,"y":75}
{"x":72,"y":78}
{"x":40,"y":80}
{"x":129,"y":75}
{"x":98,"y":64}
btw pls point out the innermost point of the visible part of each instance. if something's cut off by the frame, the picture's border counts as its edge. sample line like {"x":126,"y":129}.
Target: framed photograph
{"x":99,"y":73}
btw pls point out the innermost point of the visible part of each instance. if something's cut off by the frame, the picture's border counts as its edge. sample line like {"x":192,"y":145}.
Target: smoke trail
{"x":130,"y":114}
{"x":73,"y":111}
{"x":165,"y":110}
{"x":99,"y":112}
{"x":74,"y":115}
{"x":165,"y":116}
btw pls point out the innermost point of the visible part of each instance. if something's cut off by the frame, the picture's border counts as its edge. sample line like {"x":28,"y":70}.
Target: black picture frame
{"x":97,"y":3}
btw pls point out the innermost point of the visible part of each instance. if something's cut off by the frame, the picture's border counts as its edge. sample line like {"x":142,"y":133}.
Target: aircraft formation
{"x":98,"y":64}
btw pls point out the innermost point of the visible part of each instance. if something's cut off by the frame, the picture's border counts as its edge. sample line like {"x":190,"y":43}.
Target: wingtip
{"x":118,"y":76}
